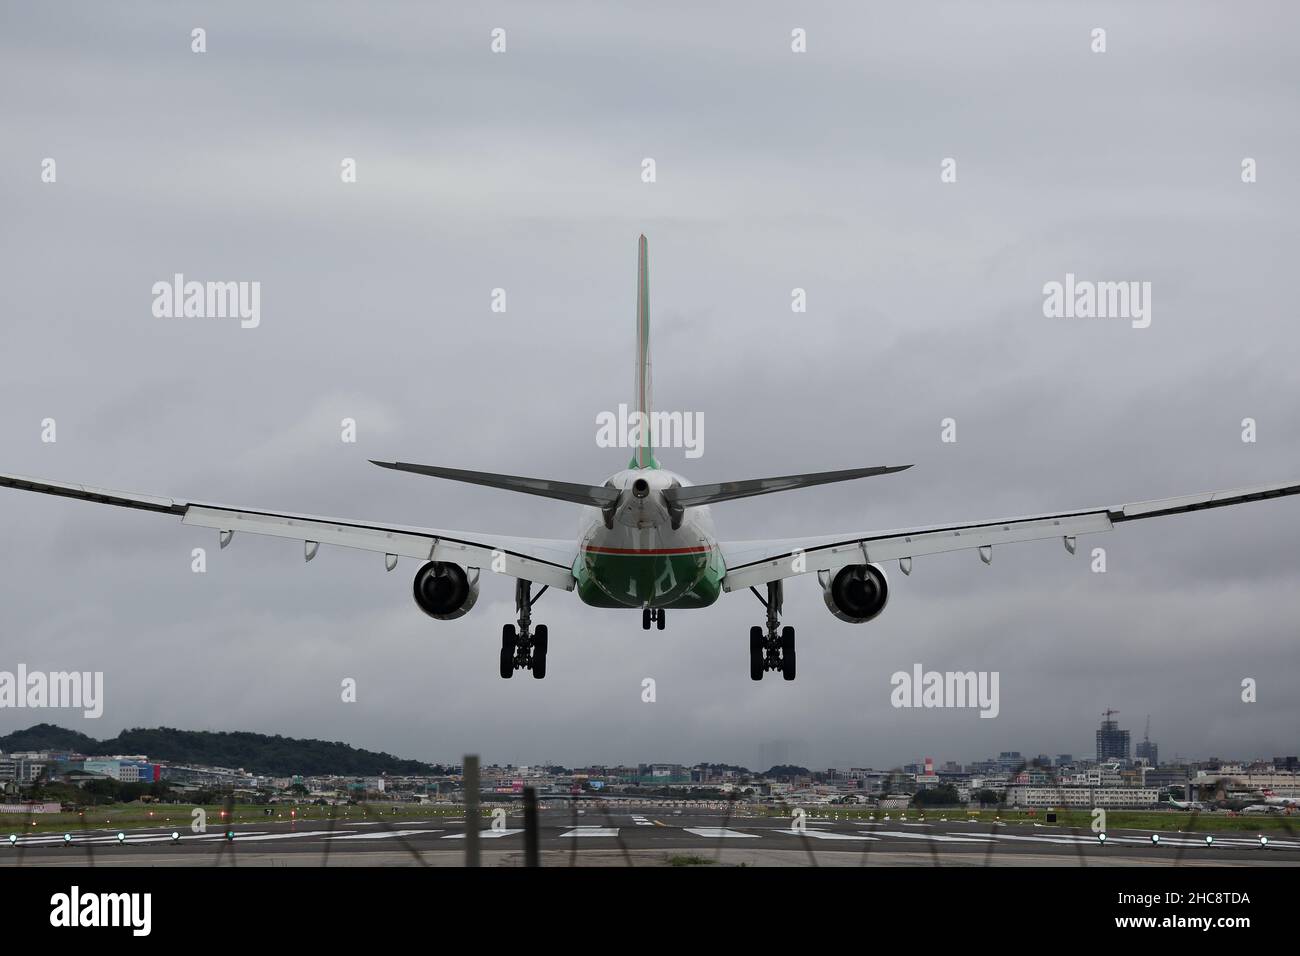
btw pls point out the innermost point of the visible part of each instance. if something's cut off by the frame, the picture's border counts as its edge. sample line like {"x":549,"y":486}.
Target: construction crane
{"x":1107,"y":713}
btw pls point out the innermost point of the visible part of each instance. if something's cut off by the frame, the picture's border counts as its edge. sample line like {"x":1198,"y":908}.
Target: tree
{"x":941,"y":796}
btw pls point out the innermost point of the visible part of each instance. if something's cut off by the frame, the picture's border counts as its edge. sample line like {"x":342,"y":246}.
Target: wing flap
{"x":750,"y":564}
{"x":541,"y":560}
{"x":489,"y":551}
{"x":887,"y":546}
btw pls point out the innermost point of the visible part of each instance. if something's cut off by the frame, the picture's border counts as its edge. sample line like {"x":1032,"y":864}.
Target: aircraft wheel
{"x":540,"y":640}
{"x":659,"y":619}
{"x":508,"y":651}
{"x":787,"y":653}
{"x":756,"y":662}
{"x":645,"y":619}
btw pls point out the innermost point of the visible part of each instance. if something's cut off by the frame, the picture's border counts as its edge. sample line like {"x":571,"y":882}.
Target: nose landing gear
{"x":768,"y":649}
{"x":524,"y":647}
{"x":649,"y":614}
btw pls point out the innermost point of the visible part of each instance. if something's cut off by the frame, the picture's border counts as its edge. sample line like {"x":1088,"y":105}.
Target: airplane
{"x":1273,"y":800}
{"x":648,"y":541}
{"x":1189,"y":804}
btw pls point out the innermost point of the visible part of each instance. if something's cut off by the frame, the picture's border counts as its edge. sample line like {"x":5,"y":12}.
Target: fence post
{"x":469,"y":787}
{"x":530,"y":827}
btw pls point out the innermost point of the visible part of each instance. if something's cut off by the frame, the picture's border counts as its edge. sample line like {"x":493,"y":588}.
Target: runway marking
{"x":1065,"y":839}
{"x":719,"y":832}
{"x":103,"y":840}
{"x":827,"y":835}
{"x":485,"y":834}
{"x":938,"y":837}
{"x":241,"y":838}
{"x":641,"y":821}
{"x":591,"y":831}
{"x":376,"y":835}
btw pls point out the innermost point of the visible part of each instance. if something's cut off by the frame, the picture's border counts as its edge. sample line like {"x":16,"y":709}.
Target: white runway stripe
{"x":719,"y":833}
{"x":381,"y":835}
{"x":827,"y":835}
{"x":591,"y":832}
{"x":241,"y":838}
{"x":484,"y":834}
{"x":936,"y":837}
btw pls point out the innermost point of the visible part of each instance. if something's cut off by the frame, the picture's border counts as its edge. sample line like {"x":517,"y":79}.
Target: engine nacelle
{"x":445,"y":591}
{"x":856,"y":593}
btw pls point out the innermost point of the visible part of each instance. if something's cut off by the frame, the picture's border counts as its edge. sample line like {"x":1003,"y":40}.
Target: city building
{"x":1073,"y":796}
{"x":1112,"y":743}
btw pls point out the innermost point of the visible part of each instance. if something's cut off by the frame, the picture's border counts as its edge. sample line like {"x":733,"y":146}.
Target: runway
{"x":647,"y":837}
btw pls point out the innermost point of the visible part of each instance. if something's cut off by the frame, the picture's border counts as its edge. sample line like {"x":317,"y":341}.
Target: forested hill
{"x":257,"y":753}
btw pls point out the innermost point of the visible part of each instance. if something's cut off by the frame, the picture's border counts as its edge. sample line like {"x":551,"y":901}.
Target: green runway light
{"x":1101,"y":838}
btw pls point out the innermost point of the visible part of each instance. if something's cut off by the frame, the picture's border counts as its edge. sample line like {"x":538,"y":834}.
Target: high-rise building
{"x":1010,"y":761}
{"x":1146,"y":748}
{"x":1112,"y":743}
{"x":1150,"y":750}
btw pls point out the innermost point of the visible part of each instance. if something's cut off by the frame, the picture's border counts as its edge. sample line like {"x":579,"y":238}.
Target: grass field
{"x":180,"y":816}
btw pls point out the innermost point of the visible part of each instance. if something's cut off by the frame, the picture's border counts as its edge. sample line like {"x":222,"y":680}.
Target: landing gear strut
{"x":649,"y":614}
{"x":525,"y":646}
{"x":768,"y":649}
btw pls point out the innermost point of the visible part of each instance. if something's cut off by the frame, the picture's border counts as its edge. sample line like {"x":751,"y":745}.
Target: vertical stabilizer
{"x":645,"y":453}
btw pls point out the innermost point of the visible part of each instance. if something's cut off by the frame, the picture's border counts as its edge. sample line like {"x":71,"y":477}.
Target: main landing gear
{"x":525,"y":646}
{"x":770,"y":651}
{"x":655,"y":614}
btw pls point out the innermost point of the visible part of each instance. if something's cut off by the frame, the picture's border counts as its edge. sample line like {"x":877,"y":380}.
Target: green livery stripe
{"x":633,"y":580}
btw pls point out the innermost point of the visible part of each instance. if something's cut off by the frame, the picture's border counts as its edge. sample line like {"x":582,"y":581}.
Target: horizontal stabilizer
{"x":694,"y":495}
{"x":595,"y":495}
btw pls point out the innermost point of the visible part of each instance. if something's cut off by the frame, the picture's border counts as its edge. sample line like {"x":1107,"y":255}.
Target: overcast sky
{"x":775,"y":170}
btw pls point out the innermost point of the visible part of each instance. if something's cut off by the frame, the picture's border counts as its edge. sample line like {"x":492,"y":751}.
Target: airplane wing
{"x":544,"y":561}
{"x":753,"y":563}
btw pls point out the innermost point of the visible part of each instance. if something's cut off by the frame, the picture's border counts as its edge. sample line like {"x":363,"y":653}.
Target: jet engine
{"x":445,"y":591}
{"x":856,"y":593}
